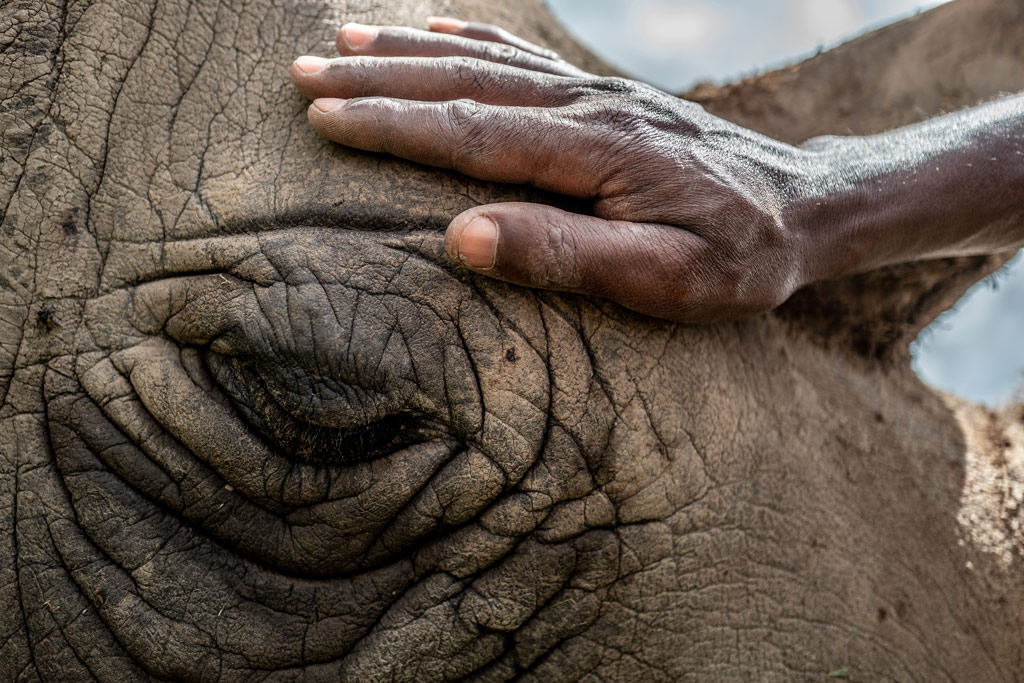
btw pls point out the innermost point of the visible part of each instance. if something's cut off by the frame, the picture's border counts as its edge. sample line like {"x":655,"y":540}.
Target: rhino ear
{"x":878,"y":314}
{"x":951,"y":57}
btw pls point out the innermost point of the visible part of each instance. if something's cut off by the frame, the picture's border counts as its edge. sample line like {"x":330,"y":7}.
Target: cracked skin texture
{"x":190,"y":279}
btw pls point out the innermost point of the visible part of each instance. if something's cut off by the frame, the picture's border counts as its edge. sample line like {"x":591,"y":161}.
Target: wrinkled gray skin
{"x":551,"y":488}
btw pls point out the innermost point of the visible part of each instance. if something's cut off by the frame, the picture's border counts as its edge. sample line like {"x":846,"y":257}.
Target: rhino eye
{"x":257,"y":405}
{"x":319,"y":444}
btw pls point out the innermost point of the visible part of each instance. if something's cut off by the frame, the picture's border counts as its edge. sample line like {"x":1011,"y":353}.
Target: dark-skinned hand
{"x":694,"y":219}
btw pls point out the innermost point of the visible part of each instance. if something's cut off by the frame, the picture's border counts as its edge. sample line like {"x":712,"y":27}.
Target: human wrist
{"x":841,"y":222}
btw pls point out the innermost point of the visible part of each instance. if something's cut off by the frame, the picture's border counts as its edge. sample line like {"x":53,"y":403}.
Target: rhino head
{"x":255,"y":426}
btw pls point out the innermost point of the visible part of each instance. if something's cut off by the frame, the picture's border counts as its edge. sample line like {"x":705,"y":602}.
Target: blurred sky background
{"x":976,"y":350}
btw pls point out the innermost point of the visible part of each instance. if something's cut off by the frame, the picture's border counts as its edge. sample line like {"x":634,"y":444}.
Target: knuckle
{"x":379,"y":111}
{"x":605,"y":85}
{"x":502,"y":53}
{"x":617,"y":118}
{"x":617,"y":104}
{"x":360,"y":72}
{"x":559,"y":265}
{"x":462,"y":64}
{"x":463,"y":115}
{"x":361,"y":76}
{"x":637,"y":107}
{"x":369,"y":119}
{"x":602,"y":88}
{"x":467,"y":75}
{"x":465,"y":128}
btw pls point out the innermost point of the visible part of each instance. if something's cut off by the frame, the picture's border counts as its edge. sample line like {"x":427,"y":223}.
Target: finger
{"x":651,"y":268}
{"x":401,"y":41}
{"x":488,"y":32}
{"x":543,"y":147}
{"x":421,"y":78}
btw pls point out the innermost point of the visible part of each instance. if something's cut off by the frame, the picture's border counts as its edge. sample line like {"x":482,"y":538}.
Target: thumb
{"x":645,"y":267}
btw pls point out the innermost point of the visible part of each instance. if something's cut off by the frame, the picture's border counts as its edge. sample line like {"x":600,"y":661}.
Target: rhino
{"x":255,"y":426}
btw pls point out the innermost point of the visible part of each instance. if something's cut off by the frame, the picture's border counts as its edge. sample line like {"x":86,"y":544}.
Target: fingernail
{"x":478,"y":243}
{"x":358,"y":35}
{"x":446,"y":23}
{"x":327,"y":104}
{"x":309,"y":64}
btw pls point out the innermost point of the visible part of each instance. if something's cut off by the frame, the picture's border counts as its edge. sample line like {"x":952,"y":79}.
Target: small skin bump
{"x":69,"y":224}
{"x":46,"y":318}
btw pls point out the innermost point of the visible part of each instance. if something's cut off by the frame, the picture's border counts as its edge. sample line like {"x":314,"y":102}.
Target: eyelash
{"x":315,"y":444}
{"x":328,"y":445}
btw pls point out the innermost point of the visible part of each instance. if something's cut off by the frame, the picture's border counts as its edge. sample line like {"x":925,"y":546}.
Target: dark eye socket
{"x":327,"y":445}
{"x":294,"y":437}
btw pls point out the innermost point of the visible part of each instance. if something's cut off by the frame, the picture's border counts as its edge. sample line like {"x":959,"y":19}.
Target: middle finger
{"x":435,"y":80}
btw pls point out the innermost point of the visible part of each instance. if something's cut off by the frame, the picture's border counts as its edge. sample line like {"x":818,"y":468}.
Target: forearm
{"x":950,"y":186}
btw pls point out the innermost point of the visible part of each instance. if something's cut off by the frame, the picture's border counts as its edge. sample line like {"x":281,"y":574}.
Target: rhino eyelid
{"x":311,"y":443}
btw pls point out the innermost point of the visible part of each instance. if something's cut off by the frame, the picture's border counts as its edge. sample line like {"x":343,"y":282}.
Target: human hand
{"x":694,"y":217}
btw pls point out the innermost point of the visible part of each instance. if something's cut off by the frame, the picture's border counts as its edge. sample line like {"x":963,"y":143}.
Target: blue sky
{"x":674,"y":43}
{"x":977,"y":349}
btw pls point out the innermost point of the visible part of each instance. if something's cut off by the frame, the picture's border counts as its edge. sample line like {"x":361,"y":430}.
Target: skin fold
{"x":257,"y":425}
{"x":694,"y":218}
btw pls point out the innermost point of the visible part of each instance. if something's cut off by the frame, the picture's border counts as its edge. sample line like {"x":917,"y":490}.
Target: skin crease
{"x":694,"y":219}
{"x":257,"y":425}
